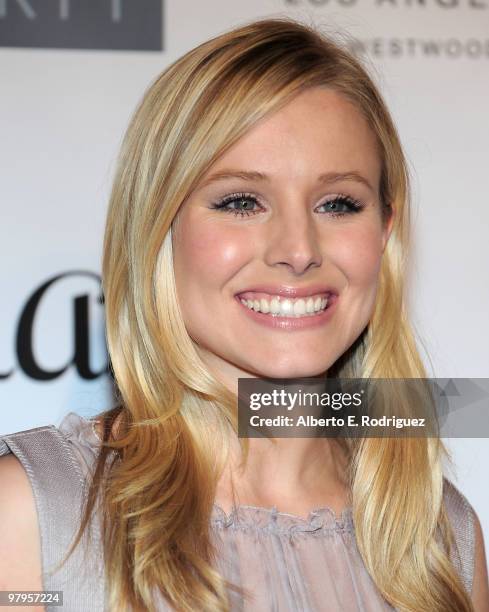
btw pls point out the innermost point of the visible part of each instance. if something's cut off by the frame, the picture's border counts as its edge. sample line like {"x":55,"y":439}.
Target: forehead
{"x":319,"y":130}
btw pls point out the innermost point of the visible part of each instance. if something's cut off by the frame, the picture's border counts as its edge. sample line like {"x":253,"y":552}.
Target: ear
{"x":386,"y":232}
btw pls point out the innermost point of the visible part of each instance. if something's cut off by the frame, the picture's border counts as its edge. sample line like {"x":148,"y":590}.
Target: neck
{"x":293,"y":474}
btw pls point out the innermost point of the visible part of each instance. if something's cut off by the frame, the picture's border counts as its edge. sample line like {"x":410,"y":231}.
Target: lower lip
{"x":292,"y":323}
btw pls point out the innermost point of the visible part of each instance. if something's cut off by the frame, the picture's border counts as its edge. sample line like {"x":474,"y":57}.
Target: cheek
{"x":358,"y":253}
{"x":207,"y":253}
{"x":206,"y":256}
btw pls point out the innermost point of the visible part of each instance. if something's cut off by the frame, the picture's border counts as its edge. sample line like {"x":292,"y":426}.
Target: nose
{"x":292,"y":241}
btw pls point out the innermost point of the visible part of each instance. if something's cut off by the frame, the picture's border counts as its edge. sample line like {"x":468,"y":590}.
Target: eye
{"x":243,"y":204}
{"x":345,"y":202}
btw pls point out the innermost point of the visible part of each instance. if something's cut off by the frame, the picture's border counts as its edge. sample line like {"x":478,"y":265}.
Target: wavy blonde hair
{"x":157,"y":471}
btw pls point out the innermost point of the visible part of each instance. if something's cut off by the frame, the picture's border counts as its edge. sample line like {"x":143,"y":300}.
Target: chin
{"x":292,"y":370}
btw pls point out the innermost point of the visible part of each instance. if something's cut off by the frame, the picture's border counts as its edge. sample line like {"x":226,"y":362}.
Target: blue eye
{"x":243,"y":204}
{"x":348,"y":204}
{"x":244,"y":201}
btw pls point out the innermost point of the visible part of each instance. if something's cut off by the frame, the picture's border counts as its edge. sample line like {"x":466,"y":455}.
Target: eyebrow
{"x":323,"y":179}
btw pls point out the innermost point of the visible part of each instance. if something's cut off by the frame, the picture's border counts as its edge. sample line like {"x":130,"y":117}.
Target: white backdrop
{"x":62,"y":116}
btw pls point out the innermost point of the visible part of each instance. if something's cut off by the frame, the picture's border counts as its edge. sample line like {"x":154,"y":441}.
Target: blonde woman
{"x":263,"y":166}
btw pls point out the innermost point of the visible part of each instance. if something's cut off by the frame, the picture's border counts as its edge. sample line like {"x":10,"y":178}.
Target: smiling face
{"x":285,"y":225}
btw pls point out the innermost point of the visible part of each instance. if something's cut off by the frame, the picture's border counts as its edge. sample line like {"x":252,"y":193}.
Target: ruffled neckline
{"x":243,"y":516}
{"x":271,"y":519}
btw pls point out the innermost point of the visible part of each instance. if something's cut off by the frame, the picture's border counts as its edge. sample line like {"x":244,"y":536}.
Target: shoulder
{"x":16,"y":494}
{"x":468,"y":555}
{"x":480,"y":586}
{"x":27,"y":463}
{"x":42,"y":494}
{"x":39,"y":475}
{"x":20,"y":551}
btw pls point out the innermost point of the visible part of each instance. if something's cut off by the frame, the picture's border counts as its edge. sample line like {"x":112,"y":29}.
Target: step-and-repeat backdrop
{"x":71,"y":74}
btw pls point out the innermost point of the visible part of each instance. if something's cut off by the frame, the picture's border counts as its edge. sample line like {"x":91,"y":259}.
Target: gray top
{"x":289,"y":563}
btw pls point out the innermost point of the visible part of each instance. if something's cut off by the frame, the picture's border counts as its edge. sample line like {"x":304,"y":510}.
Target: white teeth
{"x":264,"y":306}
{"x":275,"y":306}
{"x":286,"y":307}
{"x":300,"y":307}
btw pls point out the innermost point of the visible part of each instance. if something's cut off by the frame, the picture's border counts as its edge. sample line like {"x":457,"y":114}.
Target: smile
{"x":276,"y":305}
{"x":286,"y":313}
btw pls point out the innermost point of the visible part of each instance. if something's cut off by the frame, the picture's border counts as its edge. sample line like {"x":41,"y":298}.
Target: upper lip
{"x":289,"y":291}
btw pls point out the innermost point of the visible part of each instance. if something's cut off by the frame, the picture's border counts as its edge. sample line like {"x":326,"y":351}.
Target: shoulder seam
{"x":4,"y":442}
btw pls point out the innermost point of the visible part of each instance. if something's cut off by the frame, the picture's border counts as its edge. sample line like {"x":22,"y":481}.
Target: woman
{"x":258,"y":227}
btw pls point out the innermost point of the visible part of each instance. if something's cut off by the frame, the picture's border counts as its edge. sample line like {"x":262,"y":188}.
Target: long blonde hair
{"x":157,"y":490}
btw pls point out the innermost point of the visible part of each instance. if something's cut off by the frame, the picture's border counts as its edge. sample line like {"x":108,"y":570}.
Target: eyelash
{"x":354,"y":205}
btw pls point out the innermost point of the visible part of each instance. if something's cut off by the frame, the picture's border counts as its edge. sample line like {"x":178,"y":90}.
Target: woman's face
{"x":275,"y":224}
